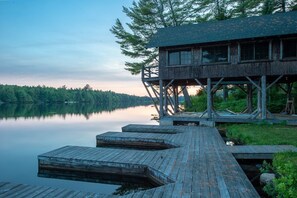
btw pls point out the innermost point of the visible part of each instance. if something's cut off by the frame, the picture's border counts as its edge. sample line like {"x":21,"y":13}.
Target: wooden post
{"x":263,"y":103}
{"x":209,"y":98}
{"x":186,"y":96}
{"x":259,"y":99}
{"x":289,"y":91}
{"x":165,"y":100}
{"x":249,"y":98}
{"x":161,"y":113}
{"x":175,"y":95}
{"x":225,"y":92}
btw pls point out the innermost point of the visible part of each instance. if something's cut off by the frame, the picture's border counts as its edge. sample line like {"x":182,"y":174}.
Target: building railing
{"x":150,"y":72}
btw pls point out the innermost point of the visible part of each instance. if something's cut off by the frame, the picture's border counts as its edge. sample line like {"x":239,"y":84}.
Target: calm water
{"x":22,"y":139}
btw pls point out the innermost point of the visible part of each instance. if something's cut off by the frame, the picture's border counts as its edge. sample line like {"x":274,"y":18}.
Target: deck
{"x":195,"y":163}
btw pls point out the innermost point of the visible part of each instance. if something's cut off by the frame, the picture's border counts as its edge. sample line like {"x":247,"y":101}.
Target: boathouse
{"x":251,"y":53}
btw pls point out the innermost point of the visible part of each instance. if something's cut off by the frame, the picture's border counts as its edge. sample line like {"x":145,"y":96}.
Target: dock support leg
{"x":175,"y":95}
{"x":225,"y":92}
{"x":186,"y":96}
{"x":209,"y":98}
{"x":289,"y":92}
{"x":263,"y":94}
{"x":161,"y":99}
{"x":249,"y":98}
{"x":259,"y":100}
{"x":165,"y":100}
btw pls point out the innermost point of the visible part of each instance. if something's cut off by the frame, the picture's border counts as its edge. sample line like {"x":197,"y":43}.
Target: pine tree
{"x":245,"y":8}
{"x":146,"y":17}
{"x":272,"y":6}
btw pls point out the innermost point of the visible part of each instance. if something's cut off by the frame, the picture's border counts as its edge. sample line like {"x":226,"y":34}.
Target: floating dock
{"x":182,"y":161}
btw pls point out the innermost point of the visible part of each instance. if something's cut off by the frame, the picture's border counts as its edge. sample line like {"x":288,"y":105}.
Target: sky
{"x":64,"y":42}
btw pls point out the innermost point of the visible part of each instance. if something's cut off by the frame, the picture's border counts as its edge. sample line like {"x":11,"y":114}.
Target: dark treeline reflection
{"x":48,"y":110}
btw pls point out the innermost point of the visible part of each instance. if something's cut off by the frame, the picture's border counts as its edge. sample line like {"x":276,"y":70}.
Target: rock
{"x":230,"y":143}
{"x":266,"y":178}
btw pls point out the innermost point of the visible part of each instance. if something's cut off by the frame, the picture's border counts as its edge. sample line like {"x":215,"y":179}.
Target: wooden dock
{"x":10,"y":190}
{"x":197,"y":163}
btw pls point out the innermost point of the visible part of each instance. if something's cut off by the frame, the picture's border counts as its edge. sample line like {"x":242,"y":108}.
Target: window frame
{"x":282,"y":49}
{"x":215,"y":63}
{"x":254,"y":51}
{"x":190,"y":50}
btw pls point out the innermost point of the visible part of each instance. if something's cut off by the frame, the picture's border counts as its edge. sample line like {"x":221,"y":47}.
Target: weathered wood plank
{"x":37,"y":192}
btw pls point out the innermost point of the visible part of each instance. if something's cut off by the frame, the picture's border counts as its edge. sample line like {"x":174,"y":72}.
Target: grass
{"x":263,"y":134}
{"x":284,"y":164}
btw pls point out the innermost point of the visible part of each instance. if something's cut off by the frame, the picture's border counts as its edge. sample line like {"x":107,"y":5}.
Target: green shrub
{"x":285,"y":165}
{"x":233,"y":105}
{"x":199,"y":103}
{"x":266,"y":167}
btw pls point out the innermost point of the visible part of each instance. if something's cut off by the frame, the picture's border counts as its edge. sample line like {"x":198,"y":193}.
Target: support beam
{"x":249,"y":98}
{"x":214,"y":88}
{"x":156,"y":93}
{"x":209,"y":98}
{"x":289,"y":91}
{"x":170,"y":101}
{"x":166,"y":87}
{"x":176,"y":102}
{"x":202,"y":86}
{"x":253,"y":82}
{"x":161,"y":114}
{"x":263,"y":96}
{"x":165,"y":96}
{"x":155,"y":100}
{"x":225,"y":92}
{"x":275,"y":81}
{"x":242,"y":89}
{"x":259,"y":99}
{"x":186,"y":97}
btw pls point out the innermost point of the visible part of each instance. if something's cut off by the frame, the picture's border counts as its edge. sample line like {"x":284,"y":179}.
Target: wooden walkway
{"x":199,"y":164}
{"x":258,"y":152}
{"x":225,"y":117}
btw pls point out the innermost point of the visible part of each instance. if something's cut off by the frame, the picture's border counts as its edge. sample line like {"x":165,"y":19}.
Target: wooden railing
{"x":150,"y":72}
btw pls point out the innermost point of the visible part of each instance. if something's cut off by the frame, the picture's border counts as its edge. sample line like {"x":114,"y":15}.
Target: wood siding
{"x":233,"y":69}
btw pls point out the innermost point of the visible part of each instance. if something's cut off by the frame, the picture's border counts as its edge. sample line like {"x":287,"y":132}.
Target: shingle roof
{"x":232,"y":29}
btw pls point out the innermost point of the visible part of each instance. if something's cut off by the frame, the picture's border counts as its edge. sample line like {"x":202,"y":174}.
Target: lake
{"x":24,"y":136}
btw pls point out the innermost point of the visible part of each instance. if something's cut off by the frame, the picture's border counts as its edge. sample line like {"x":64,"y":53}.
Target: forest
{"x":49,"y":95}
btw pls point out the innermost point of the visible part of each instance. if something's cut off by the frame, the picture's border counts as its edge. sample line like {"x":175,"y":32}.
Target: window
{"x":215,"y":54}
{"x":254,"y":51}
{"x":290,"y":48}
{"x":180,"y":57}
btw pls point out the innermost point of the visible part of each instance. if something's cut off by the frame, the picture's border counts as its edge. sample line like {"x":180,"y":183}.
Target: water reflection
{"x":125,"y":184}
{"x":24,"y":138}
{"x":49,"y":110}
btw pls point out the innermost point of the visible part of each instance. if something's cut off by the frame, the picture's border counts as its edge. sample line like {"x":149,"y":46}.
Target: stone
{"x":266,"y":178}
{"x":230,"y":143}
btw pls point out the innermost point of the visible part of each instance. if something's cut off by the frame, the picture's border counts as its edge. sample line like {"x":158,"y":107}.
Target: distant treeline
{"x":49,"y":95}
{"x":48,"y":110}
